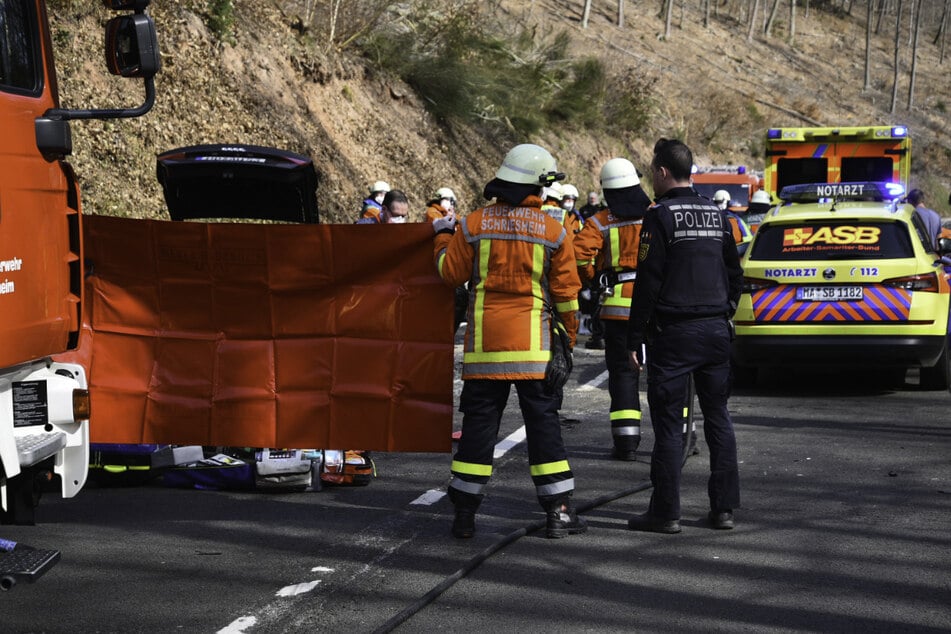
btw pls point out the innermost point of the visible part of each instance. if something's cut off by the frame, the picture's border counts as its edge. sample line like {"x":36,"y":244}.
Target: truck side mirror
{"x":132,"y":46}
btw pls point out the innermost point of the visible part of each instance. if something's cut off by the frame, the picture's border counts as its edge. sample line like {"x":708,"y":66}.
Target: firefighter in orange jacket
{"x":442,"y":204}
{"x":606,"y":250}
{"x":519,"y":264}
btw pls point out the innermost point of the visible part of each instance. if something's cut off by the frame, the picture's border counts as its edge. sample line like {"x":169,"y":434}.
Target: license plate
{"x":829,"y":293}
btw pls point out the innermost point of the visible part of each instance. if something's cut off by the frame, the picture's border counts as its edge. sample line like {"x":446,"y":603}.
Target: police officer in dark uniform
{"x":688,"y":283}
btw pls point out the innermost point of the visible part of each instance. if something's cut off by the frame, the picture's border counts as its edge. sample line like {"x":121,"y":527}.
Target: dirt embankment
{"x":274,"y":85}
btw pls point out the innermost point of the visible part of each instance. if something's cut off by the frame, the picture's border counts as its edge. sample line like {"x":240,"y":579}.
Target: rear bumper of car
{"x":838,"y":350}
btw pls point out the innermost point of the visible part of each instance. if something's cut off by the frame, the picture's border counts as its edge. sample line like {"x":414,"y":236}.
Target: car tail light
{"x":753,"y":284}
{"x":923,"y":282}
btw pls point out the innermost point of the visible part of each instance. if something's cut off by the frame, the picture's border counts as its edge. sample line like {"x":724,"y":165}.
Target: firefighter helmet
{"x":529,"y":164}
{"x":761,"y":196}
{"x":722,"y":197}
{"x":443,"y":193}
{"x":569,"y":191}
{"x":379,"y":186}
{"x":619,"y":173}
{"x":554,"y":191}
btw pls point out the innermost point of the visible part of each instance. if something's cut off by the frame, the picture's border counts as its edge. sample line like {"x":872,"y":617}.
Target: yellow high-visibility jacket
{"x":609,"y":243}
{"x":518,"y":262}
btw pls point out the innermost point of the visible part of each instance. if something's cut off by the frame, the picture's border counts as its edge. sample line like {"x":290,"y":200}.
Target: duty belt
{"x":611,"y":278}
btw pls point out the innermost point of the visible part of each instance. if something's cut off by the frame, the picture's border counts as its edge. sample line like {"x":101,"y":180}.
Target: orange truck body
{"x":44,"y":403}
{"x":736,"y":179}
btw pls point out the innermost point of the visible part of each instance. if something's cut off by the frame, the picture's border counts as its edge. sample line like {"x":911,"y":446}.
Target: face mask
{"x":568,"y":205}
{"x":447,"y":204}
{"x":379,"y":197}
{"x":397,"y":220}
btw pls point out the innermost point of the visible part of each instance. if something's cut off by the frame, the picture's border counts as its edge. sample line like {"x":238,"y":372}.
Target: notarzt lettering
{"x":832,"y":190}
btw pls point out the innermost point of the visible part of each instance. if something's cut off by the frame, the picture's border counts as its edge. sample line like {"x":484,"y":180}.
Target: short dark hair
{"x":915,"y":197}
{"x":675,"y":156}
{"x":395,"y":196}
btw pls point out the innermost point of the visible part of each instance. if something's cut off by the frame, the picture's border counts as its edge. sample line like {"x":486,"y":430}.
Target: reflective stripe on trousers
{"x":482,"y":403}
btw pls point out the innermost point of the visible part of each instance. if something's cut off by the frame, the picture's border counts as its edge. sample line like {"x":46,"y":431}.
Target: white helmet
{"x":528,"y":164}
{"x":554,"y":191}
{"x":444,"y":192}
{"x":761,"y":196}
{"x":619,"y":173}
{"x":722,"y":196}
{"x":569,"y":191}
{"x":379,"y":186}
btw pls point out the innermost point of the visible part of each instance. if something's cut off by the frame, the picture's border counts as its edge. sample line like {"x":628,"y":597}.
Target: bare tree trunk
{"x":585,"y":14}
{"x":706,"y":14}
{"x":752,"y":25}
{"x":897,"y":56}
{"x":792,"y":21}
{"x":772,"y":18}
{"x":667,"y":19}
{"x":881,"y":12}
{"x":916,"y":9}
{"x":944,"y":29}
{"x":943,"y":24}
{"x":620,"y":13}
{"x":868,"y":45}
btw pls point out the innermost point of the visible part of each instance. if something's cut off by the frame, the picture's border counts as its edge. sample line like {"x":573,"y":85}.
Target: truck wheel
{"x":939,"y":376}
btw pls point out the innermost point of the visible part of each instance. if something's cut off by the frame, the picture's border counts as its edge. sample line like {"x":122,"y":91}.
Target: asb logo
{"x":845,"y":234}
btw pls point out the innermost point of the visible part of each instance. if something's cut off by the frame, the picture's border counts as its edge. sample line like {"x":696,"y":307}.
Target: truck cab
{"x":44,"y":404}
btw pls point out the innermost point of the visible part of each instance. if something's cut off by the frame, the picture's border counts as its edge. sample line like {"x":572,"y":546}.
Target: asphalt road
{"x":844,"y":527}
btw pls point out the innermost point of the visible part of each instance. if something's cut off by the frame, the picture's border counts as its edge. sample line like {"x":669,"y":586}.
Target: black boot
{"x":626,"y":449}
{"x":563,"y":520}
{"x":466,"y":504}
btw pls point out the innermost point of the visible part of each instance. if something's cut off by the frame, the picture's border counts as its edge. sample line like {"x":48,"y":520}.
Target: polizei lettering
{"x":837,"y":190}
{"x":691,"y":222}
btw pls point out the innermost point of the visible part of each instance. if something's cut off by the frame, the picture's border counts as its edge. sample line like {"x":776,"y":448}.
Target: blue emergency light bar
{"x":816,"y":192}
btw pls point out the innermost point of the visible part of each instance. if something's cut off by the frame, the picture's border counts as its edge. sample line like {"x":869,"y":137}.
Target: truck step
{"x":25,"y":564}
{"x":36,"y":447}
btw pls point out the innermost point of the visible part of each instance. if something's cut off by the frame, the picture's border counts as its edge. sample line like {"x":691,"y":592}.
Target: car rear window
{"x":835,"y":239}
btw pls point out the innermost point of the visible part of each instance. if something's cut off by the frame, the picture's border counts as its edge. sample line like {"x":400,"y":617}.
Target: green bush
{"x":221,"y":18}
{"x":465,"y":68}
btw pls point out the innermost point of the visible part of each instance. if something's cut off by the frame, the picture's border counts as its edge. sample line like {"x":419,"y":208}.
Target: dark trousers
{"x":482,"y":403}
{"x":701,"y":348}
{"x":622,"y":386}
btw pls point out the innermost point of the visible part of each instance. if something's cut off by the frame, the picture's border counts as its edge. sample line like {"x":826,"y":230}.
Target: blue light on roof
{"x":741,"y":169}
{"x":895,"y":189}
{"x":773,"y":133}
{"x":899,"y":131}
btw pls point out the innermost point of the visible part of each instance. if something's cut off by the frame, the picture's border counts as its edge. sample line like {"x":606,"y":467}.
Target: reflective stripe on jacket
{"x":609,"y":242}
{"x":517,"y":260}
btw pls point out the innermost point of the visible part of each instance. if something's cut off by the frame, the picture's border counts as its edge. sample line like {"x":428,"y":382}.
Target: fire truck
{"x":44,"y":404}
{"x":796,"y":156}
{"x":739,"y":180}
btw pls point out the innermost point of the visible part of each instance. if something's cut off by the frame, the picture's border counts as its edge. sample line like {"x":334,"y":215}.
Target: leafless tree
{"x":585,"y":14}
{"x":668,"y":17}
{"x":752,"y":25}
{"x":897,"y":55}
{"x":942,"y":24}
{"x":870,"y":9}
{"x":916,"y":10}
{"x":620,"y":13}
{"x":706,"y":14}
{"x":792,"y":21}
{"x":771,"y":19}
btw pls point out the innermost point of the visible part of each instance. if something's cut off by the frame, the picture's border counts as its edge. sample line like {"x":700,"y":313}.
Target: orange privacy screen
{"x":325,"y":336}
